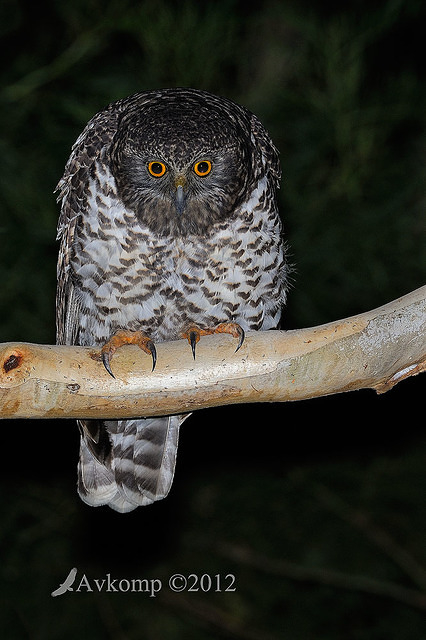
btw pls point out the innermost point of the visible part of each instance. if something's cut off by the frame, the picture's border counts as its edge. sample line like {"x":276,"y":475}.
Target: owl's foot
{"x":121,"y":338}
{"x":193,"y":333}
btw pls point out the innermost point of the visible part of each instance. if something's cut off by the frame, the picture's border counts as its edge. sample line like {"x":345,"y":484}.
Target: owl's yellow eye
{"x":203,"y":168}
{"x":157,"y":169}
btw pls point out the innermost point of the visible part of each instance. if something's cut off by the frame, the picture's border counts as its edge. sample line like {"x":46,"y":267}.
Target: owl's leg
{"x":121,"y":338}
{"x":193,"y":333}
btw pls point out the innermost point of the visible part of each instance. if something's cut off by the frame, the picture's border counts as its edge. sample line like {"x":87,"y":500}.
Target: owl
{"x":168,"y":229}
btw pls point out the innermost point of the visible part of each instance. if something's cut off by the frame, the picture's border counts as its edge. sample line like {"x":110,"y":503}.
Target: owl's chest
{"x":129,"y":279}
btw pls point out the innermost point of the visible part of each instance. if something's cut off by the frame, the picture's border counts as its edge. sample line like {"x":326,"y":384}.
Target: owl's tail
{"x":127,"y":463}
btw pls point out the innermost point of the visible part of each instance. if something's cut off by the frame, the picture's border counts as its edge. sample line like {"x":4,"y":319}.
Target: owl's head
{"x":184,"y":160}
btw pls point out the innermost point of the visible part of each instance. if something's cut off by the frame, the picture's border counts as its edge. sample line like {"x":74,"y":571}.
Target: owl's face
{"x":181,"y":168}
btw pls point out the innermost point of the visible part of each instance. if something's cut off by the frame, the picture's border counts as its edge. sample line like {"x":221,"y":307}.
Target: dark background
{"x":318,"y":507}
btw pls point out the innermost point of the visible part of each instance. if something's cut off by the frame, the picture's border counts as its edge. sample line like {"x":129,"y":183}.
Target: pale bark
{"x":374,"y":350}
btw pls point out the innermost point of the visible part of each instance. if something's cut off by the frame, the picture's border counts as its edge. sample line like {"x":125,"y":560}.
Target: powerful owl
{"x":169,"y":229}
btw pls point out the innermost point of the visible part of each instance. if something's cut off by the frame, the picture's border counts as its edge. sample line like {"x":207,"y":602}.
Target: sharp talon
{"x":106,"y":359}
{"x":242,"y":336}
{"x":151,"y":346}
{"x":193,"y":341}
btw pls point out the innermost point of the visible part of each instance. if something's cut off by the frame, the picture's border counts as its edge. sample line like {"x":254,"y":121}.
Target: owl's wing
{"x":73,"y":194}
{"x":268,"y":156}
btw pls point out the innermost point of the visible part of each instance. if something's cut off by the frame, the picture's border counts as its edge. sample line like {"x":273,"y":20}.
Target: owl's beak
{"x":180,"y":194}
{"x":180,"y":199}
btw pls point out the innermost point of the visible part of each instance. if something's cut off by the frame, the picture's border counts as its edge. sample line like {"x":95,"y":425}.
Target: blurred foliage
{"x":340,"y":86}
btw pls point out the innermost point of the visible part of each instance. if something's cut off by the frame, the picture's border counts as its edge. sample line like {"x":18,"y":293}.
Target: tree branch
{"x":374,"y":350}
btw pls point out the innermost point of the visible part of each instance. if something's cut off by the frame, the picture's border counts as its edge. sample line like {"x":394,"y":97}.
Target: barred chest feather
{"x":125,"y":277}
